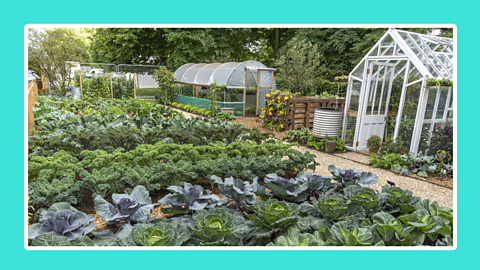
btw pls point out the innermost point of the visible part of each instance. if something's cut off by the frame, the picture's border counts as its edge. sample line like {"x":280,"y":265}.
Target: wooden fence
{"x":303,"y":109}
{"x":32,"y":98}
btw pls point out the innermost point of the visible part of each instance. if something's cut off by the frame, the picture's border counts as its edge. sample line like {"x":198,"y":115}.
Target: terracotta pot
{"x":373,"y":150}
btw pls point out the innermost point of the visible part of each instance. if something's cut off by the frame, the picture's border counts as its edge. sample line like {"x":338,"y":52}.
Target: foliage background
{"x":306,"y":12}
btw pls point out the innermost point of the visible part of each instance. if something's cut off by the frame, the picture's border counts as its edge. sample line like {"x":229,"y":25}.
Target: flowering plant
{"x":274,"y":113}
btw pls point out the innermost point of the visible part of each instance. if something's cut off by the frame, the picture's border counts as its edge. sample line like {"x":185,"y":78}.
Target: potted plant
{"x":373,"y":143}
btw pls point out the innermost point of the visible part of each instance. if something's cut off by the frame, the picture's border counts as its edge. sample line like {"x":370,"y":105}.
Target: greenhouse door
{"x":376,"y":99}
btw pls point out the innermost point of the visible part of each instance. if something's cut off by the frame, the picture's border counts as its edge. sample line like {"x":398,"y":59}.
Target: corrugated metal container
{"x":327,"y":122}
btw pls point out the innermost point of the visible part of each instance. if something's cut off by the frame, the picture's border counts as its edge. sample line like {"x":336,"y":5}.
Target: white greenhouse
{"x":388,"y":94}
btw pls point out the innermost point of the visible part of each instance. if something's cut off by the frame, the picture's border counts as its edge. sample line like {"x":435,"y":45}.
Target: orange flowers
{"x":281,"y":112}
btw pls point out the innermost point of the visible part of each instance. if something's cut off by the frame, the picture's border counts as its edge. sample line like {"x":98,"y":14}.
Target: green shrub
{"x":180,"y":106}
{"x":186,"y":107}
{"x":174,"y":104}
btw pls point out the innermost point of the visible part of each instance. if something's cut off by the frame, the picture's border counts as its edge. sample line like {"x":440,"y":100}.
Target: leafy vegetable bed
{"x":115,"y":162}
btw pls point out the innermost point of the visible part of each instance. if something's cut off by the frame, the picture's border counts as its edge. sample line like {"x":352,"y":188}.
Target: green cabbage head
{"x":159,"y":234}
{"x":273,"y":213}
{"x":366,"y":197}
{"x":399,"y":200}
{"x":217,"y":227}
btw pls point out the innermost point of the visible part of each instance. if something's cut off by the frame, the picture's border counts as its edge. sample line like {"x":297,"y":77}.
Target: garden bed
{"x":166,"y":172}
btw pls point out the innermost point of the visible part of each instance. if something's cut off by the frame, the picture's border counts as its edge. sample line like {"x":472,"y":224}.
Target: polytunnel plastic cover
{"x":231,"y":74}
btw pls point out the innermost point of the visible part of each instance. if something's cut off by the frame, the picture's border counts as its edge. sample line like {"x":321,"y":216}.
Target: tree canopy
{"x":339,"y":49}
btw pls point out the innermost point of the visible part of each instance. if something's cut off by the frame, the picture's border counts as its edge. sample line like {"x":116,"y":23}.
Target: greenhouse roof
{"x":431,"y":55}
{"x":231,"y":74}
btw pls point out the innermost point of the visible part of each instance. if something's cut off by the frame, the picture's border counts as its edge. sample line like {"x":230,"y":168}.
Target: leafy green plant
{"x":398,"y":200}
{"x":329,"y":206}
{"x":350,"y":177}
{"x":374,"y":141}
{"x":102,"y":182}
{"x":236,"y":190}
{"x":420,"y":164}
{"x":63,"y":220}
{"x":320,"y":143}
{"x":52,"y":239}
{"x":159,"y":233}
{"x":391,"y":147}
{"x":49,"y":192}
{"x":166,"y":84}
{"x":271,"y":217}
{"x":218,"y":227}
{"x":387,"y":161}
{"x":366,"y":197}
{"x":134,"y":207}
{"x":293,"y":237}
{"x":188,"y":198}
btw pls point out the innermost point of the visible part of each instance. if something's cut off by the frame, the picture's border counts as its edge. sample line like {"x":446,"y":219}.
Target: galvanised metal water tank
{"x":327,"y":122}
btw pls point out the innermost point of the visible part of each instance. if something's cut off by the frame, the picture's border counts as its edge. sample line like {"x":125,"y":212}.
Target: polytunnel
{"x":390,"y":92}
{"x":235,"y":75}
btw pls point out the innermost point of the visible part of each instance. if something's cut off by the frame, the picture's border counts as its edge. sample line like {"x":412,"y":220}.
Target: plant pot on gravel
{"x":373,"y":144}
{"x":330,"y":146}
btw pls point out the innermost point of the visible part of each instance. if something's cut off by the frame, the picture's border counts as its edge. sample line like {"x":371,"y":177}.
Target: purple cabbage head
{"x":63,"y":220}
{"x":189,"y":197}
{"x":292,"y":189}
{"x":134,"y":207}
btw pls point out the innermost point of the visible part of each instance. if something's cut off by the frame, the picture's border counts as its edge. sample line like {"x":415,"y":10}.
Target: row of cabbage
{"x":341,"y":211}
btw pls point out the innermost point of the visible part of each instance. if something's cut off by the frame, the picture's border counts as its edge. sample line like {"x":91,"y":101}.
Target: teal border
{"x":16,"y":14}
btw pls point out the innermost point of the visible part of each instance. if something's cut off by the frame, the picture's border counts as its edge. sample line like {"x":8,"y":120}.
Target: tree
{"x":52,"y":52}
{"x":173,"y":47}
{"x":298,"y":65}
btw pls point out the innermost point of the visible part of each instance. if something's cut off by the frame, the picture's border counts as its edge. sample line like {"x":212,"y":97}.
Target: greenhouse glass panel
{"x":399,"y":51}
{"x":431,"y":56}
{"x":409,"y":113}
{"x":442,"y":102}
{"x":425,"y":61}
{"x":358,"y":72}
{"x":352,"y":112}
{"x":414,"y":75}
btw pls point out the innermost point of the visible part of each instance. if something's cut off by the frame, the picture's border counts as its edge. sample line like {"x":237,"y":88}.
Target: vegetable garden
{"x":215,"y":183}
